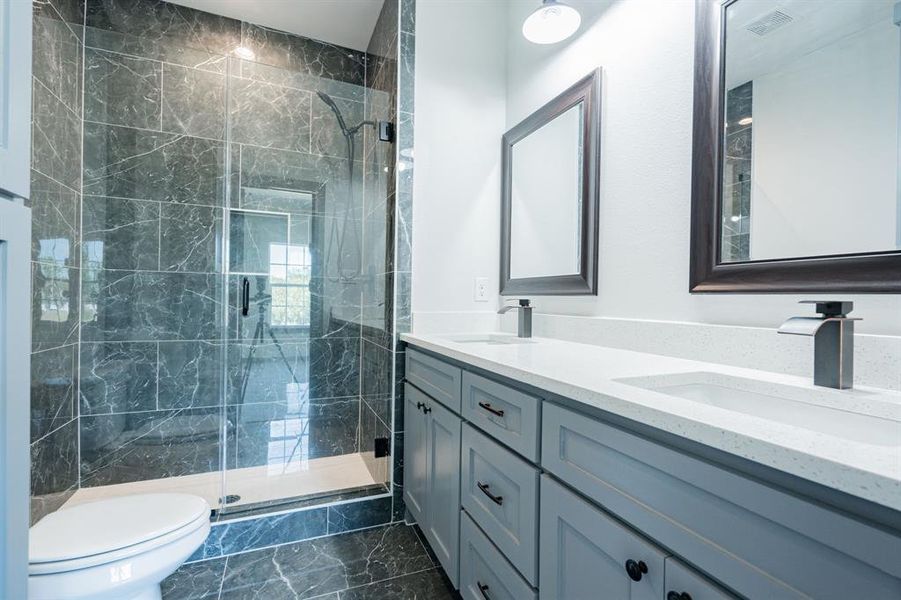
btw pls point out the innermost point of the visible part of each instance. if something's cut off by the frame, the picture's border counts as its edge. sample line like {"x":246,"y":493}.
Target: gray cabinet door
{"x":584,"y":552}
{"x":484,"y":572}
{"x":508,"y":415}
{"x":682,"y":583}
{"x":415,"y":453}
{"x":435,"y":377}
{"x":442,"y":521}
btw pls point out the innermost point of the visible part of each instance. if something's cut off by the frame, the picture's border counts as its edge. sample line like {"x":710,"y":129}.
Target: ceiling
{"x":814,"y":25}
{"x":347,"y":23}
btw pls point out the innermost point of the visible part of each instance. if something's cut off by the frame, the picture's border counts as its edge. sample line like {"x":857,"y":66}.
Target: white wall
{"x":459,"y":123}
{"x":646,"y":50}
{"x":835,"y":112}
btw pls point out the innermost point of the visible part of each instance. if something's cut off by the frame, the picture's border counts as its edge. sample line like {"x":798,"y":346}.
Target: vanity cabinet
{"x":564,"y":504}
{"x":432,"y":474}
{"x":586,"y":554}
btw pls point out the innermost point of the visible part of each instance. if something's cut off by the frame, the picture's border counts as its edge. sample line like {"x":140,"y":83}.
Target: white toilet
{"x":120,"y":548}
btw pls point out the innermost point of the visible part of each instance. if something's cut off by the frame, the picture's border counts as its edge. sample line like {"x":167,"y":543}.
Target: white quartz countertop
{"x":588,"y":375}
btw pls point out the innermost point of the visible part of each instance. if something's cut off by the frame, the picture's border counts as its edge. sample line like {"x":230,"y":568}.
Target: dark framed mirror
{"x":549,"y":196}
{"x":795,"y":164}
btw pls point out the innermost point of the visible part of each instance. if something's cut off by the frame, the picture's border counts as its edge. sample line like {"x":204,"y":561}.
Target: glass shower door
{"x":295,"y":284}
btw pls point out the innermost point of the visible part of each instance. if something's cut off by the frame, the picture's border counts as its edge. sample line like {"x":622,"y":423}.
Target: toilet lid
{"x":109,"y":525}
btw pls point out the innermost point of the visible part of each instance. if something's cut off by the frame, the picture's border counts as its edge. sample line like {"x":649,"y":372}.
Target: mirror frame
{"x":867,"y":273}
{"x":584,"y":283}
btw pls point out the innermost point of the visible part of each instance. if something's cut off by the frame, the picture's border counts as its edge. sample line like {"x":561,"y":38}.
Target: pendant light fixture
{"x":552,"y":22}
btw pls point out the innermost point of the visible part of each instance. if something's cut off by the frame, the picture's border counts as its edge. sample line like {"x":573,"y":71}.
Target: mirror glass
{"x":811,"y":152}
{"x":546,"y":199}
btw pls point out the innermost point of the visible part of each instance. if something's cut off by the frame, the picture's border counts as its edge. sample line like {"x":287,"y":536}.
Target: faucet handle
{"x":831,"y":308}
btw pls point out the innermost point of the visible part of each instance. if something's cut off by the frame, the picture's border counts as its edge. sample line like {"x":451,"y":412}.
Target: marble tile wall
{"x":737,"y":174}
{"x":161,"y":93}
{"x":55,"y":203}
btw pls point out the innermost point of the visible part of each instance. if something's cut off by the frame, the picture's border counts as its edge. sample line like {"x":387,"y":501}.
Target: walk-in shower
{"x":229,"y":246}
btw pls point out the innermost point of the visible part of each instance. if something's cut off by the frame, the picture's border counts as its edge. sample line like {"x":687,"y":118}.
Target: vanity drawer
{"x":436,"y":378}
{"x":508,"y":415}
{"x":758,"y":540}
{"x":499,"y":490}
{"x":484,"y":572}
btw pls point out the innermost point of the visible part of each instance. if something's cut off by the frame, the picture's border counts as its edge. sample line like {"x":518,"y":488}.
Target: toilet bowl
{"x":119,"y":548}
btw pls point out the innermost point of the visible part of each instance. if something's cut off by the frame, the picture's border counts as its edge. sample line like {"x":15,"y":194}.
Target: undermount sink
{"x":494,"y":339}
{"x":812,"y":409}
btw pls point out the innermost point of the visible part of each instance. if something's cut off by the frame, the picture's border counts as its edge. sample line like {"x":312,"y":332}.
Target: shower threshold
{"x":254,"y":485}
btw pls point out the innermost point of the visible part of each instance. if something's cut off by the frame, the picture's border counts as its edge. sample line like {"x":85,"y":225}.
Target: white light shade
{"x":553,"y":22}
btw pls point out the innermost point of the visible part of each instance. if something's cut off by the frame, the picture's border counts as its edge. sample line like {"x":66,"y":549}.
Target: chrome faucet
{"x":833,"y":342}
{"x":524,"y":326}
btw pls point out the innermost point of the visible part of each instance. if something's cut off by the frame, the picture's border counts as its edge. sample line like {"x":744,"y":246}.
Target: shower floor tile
{"x":384,"y":563}
{"x":252,"y":484}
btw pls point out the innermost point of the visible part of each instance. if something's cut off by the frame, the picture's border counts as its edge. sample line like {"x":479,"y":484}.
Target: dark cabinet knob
{"x":636,"y":569}
{"x":427,"y":409}
{"x":674,"y":595}
{"x":419,"y":405}
{"x":483,"y":588}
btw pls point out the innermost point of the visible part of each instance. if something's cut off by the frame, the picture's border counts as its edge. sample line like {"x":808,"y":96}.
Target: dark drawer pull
{"x":636,"y":569}
{"x":484,"y":589}
{"x":491,"y":409}
{"x":674,"y":595}
{"x":484,"y":487}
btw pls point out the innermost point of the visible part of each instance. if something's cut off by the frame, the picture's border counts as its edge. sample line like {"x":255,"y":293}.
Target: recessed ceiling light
{"x":245,"y":53}
{"x":746,"y":121}
{"x":552,"y":22}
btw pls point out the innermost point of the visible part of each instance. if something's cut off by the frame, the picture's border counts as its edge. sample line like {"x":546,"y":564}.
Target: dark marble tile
{"x":385,"y":30}
{"x":54,"y":380}
{"x":404,"y":228}
{"x":117,"y":377}
{"x":241,"y":536}
{"x":193,"y":102}
{"x":358,"y":515}
{"x":325,"y":565}
{"x":56,"y":57}
{"x":327,"y":136}
{"x":397,"y":481}
{"x":190,"y":237}
{"x":334,"y":367}
{"x":300,"y":80}
{"x":70,"y":11}
{"x":132,"y":163}
{"x":123,"y":306}
{"x":377,"y":365}
{"x":269,"y":372}
{"x":54,"y":305}
{"x":122,"y":90}
{"x":163,"y":23}
{"x":120,"y":234}
{"x":54,"y":461}
{"x":408,"y":16}
{"x":54,"y":222}
{"x":427,"y":585}
{"x":55,"y":138}
{"x":406,"y":73}
{"x":121,"y":448}
{"x":195,"y":581}
{"x":269,"y":116}
{"x":173,"y":53}
{"x":190,"y":374}
{"x":44,"y":504}
{"x":372,"y":427}
{"x":305,"y":55}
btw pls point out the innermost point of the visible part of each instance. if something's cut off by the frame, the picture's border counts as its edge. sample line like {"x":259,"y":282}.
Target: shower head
{"x":331,"y":104}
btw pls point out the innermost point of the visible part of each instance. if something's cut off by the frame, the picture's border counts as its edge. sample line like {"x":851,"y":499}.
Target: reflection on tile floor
{"x":384,"y":563}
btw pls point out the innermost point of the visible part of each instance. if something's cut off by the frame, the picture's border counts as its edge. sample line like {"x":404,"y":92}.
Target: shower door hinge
{"x":382,"y":447}
{"x":386,"y":131}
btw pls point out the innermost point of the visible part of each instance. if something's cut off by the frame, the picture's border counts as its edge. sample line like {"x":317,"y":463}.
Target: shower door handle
{"x":245,"y":296}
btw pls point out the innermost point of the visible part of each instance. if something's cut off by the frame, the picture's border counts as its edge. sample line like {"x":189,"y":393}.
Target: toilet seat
{"x":105,"y":531}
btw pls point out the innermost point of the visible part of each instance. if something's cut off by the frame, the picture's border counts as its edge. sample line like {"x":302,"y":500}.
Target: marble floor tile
{"x":427,"y":585}
{"x":195,"y":581}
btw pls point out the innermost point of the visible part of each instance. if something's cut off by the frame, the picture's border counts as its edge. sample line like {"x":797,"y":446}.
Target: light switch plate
{"x":481,"y":289}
